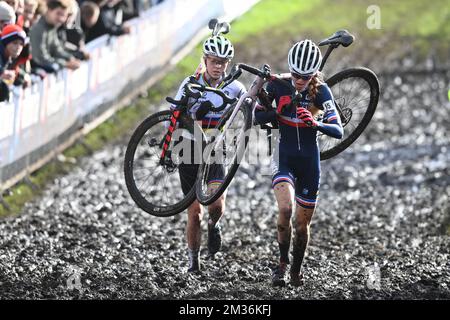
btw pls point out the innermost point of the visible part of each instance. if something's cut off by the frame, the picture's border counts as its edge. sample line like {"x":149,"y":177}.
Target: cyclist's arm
{"x":263,"y":114}
{"x":331,"y":123}
{"x":331,"y":129}
{"x":179,"y":92}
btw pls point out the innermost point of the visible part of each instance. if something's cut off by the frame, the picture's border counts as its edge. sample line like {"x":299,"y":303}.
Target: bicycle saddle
{"x":339,"y":37}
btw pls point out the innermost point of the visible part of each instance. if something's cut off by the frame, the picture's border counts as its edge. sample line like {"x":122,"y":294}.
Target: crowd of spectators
{"x":43,"y":36}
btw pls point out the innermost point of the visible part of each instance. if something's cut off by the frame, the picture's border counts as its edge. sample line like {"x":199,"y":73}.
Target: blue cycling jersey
{"x":298,"y":152}
{"x":296,"y":137}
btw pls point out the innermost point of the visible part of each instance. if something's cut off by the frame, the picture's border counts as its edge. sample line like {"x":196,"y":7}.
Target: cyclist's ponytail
{"x":313,"y":89}
{"x":200,"y":69}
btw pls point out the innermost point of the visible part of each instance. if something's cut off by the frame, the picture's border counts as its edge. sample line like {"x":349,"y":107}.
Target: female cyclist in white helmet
{"x":296,"y":162}
{"x":217,"y":52}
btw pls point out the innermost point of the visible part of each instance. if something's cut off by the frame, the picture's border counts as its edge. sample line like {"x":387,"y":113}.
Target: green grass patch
{"x":22,"y":192}
{"x":16,"y":198}
{"x":409,"y":18}
{"x":268,"y":15}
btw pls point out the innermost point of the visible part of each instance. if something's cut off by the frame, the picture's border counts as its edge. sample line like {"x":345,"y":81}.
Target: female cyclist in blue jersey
{"x":217,"y":53}
{"x":305,"y":106}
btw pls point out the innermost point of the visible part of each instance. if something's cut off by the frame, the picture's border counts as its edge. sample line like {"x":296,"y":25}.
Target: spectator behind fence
{"x":29,"y":18}
{"x":13,"y":4}
{"x":128,"y":8}
{"x":29,"y":11}
{"x":40,"y":11}
{"x":48,"y":50}
{"x":19,"y":13}
{"x":7,"y":15}
{"x":71,"y":34}
{"x":90,"y":12}
{"x":104,"y":24}
{"x":17,"y":6}
{"x":11,"y":44}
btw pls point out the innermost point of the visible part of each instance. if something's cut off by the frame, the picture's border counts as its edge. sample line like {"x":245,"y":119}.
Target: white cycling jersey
{"x":234,"y":90}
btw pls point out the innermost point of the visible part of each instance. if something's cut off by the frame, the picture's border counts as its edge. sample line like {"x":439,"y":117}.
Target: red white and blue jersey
{"x":297,"y":158}
{"x":295,"y":136}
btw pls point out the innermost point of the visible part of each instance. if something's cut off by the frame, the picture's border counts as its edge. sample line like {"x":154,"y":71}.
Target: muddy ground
{"x":379,"y":232}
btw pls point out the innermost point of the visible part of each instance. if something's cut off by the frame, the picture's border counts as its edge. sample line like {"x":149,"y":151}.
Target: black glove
{"x":264,"y":99}
{"x":4,"y":91}
{"x":205,"y":107}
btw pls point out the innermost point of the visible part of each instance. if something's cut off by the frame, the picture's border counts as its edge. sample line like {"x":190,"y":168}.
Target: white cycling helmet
{"x":304,"y":58}
{"x":218,"y":46}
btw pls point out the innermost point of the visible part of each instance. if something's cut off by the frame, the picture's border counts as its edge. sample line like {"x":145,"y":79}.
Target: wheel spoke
{"x":152,"y":185}
{"x":353,"y":91}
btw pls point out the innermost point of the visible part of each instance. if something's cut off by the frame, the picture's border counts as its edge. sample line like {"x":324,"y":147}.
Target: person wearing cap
{"x":48,"y":50}
{"x":7,"y":15}
{"x":17,"y":6}
{"x":11,"y":44}
{"x":12,"y":41}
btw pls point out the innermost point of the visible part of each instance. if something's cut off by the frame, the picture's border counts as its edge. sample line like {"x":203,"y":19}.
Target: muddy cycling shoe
{"x":194,"y":261}
{"x":194,"y":266}
{"x":214,"y":239}
{"x":296,"y":279}
{"x":279,"y":276}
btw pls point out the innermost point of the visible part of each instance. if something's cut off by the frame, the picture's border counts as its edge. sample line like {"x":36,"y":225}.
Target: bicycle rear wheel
{"x":221,"y":157}
{"x":157,"y":187}
{"x":356,"y":92}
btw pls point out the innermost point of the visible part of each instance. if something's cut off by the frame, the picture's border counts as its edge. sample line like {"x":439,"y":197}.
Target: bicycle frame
{"x":257,"y":84}
{"x":182,"y":106}
{"x":345,"y":39}
{"x":331,"y":47}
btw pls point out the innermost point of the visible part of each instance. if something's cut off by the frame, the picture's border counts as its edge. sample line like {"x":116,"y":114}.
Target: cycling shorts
{"x":303,"y":173}
{"x":188,"y":175}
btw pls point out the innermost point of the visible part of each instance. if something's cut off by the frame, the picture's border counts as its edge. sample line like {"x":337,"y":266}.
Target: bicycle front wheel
{"x":223,"y":154}
{"x":157,"y":186}
{"x":356,"y":92}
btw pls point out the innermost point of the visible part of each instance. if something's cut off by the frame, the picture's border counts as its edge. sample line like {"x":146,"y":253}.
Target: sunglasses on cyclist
{"x":303,"y":77}
{"x":216,"y":61}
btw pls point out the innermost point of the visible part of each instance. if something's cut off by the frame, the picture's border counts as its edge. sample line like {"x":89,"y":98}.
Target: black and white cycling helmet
{"x":304,"y":58}
{"x":218,"y":46}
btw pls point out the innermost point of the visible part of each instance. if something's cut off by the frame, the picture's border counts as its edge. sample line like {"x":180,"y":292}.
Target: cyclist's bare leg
{"x":193,"y":234}
{"x":302,"y":223}
{"x":195,"y":215}
{"x":215,"y":210}
{"x":284,"y":193}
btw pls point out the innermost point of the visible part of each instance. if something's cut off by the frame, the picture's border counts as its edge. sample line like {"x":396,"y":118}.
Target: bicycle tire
{"x":242,"y":121}
{"x":351,"y":133}
{"x":150,"y":202}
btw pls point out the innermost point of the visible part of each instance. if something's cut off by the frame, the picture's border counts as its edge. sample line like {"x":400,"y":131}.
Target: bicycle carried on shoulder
{"x":152,"y":157}
{"x":157,"y":149}
{"x":355,"y":90}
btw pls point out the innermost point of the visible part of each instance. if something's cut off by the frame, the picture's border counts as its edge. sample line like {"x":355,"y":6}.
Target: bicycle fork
{"x":168,"y":137}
